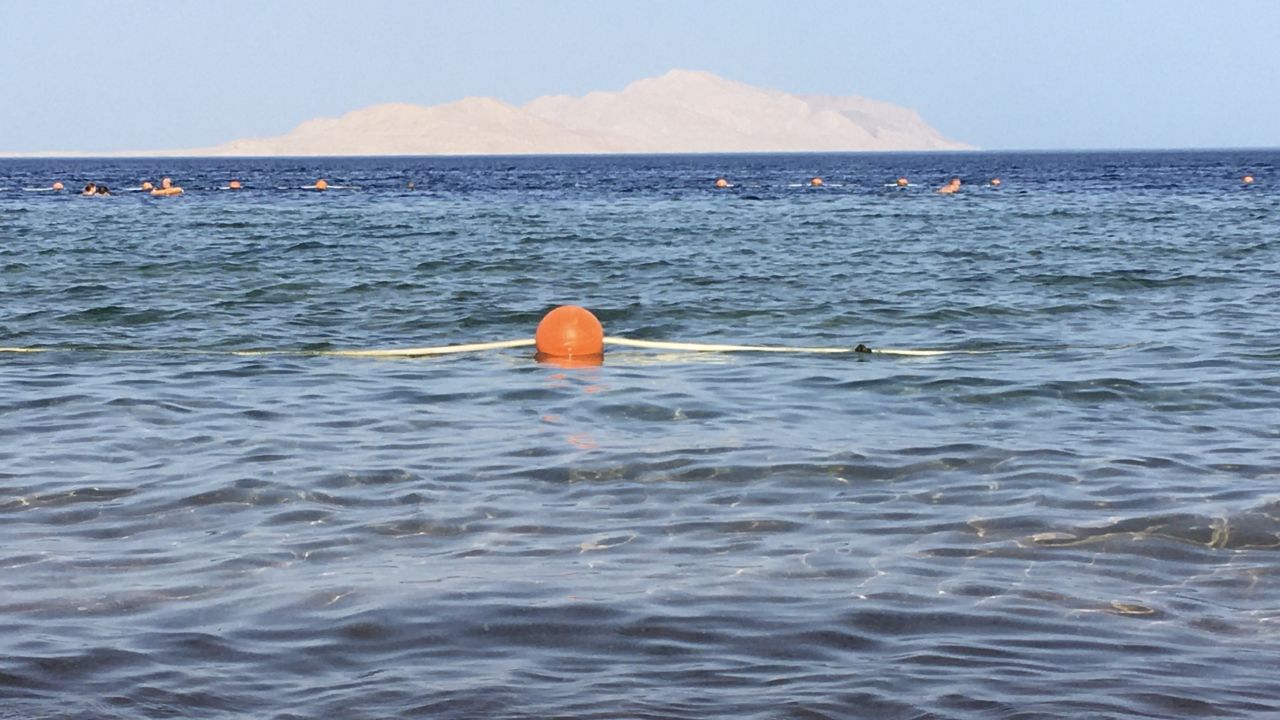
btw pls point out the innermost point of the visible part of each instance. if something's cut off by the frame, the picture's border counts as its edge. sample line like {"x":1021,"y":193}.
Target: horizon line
{"x":125,"y":154}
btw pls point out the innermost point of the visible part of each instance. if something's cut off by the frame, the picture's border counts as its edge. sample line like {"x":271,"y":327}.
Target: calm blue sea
{"x":1082,"y":520}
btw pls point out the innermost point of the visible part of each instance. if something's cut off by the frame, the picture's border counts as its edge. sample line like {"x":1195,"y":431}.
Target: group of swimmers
{"x":952,"y":186}
{"x":168,"y":189}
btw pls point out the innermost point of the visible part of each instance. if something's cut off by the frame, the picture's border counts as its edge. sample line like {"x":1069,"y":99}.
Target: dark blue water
{"x":1082,"y":520}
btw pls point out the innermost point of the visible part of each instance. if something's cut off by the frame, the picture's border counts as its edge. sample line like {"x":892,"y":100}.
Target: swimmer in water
{"x":321,"y":184}
{"x":722,"y":183}
{"x":233,"y":185}
{"x":409,"y":185}
{"x":902,"y":182}
{"x":1247,"y":179}
{"x":102,"y":190}
{"x":90,"y":189}
{"x":995,"y":182}
{"x":950,"y":187}
{"x":146,"y":186}
{"x":56,"y":187}
{"x":167,"y":188}
{"x":816,"y":182}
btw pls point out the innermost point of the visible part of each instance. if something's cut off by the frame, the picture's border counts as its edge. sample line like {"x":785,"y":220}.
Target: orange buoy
{"x":722,"y":183}
{"x":1247,"y":179}
{"x":321,"y":184}
{"x":902,"y":182}
{"x":234,"y":185}
{"x":816,"y":182}
{"x":570,"y":331}
{"x":56,"y":186}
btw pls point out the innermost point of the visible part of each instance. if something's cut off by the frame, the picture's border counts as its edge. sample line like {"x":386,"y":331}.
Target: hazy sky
{"x":1001,"y":74}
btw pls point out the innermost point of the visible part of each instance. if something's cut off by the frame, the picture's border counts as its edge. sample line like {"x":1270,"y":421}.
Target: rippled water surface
{"x":1079,"y":518}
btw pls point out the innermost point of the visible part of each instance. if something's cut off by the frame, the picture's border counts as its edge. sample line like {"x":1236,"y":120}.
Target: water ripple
{"x":1078,"y":520}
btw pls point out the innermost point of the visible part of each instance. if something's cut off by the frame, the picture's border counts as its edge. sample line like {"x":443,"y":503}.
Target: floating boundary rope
{"x":528,"y":342}
{"x":566,"y":332}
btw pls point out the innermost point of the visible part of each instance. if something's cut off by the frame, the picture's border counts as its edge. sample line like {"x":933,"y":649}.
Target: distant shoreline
{"x":763,"y":153}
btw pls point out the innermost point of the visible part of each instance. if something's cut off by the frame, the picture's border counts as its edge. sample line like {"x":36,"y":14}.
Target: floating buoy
{"x":1247,"y":179}
{"x":570,"y":332}
{"x":816,"y":182}
{"x":321,"y":184}
{"x":234,"y":185}
{"x":722,"y":183}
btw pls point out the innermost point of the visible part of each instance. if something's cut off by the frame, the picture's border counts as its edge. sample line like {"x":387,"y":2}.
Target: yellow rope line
{"x":400,"y":352}
{"x":705,"y":347}
{"x":529,"y":342}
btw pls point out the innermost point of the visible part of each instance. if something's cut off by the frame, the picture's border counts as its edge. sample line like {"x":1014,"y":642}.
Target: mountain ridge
{"x":681,"y":111}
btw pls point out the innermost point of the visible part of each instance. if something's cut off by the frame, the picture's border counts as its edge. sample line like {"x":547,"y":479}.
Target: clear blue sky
{"x":1002,"y":74}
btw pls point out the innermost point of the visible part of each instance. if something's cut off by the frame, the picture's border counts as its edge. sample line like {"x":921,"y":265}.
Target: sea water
{"x":1078,"y":516}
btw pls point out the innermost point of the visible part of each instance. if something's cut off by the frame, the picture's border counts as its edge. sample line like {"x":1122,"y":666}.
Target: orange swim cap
{"x":722,"y":183}
{"x":57,"y":186}
{"x":902,"y":182}
{"x":816,"y":182}
{"x":1247,"y":179}
{"x":569,"y":331}
{"x":321,"y":184}
{"x":234,"y":184}
{"x":995,"y":182}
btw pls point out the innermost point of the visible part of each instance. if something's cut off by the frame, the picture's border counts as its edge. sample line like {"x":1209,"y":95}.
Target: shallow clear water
{"x":1083,"y":520}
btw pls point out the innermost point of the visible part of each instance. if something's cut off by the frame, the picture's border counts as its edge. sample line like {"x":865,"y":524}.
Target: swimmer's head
{"x":166,"y":183}
{"x":410,"y":185}
{"x":950,"y":187}
{"x":103,"y":190}
{"x":722,"y":183}
{"x":90,"y":189}
{"x":995,"y":182}
{"x":902,"y":182}
{"x":816,"y":182}
{"x":146,"y":185}
{"x":1247,"y":179}
{"x":234,"y":184}
{"x":56,"y":186}
{"x":321,"y":184}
